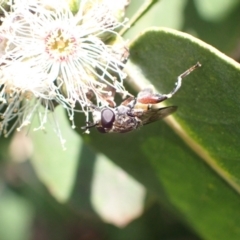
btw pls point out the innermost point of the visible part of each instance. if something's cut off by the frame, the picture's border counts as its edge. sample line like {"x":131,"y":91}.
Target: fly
{"x":135,"y":112}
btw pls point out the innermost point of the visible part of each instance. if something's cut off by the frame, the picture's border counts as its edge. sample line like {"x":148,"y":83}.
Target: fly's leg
{"x":179,"y":80}
{"x":146,"y":96}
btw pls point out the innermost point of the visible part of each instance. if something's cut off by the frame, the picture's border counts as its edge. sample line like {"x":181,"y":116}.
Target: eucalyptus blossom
{"x":51,"y":55}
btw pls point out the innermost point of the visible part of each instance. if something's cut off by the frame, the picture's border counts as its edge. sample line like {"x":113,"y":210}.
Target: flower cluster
{"x":51,"y":56}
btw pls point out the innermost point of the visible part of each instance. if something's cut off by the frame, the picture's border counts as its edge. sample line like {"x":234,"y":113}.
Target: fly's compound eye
{"x":107,"y":118}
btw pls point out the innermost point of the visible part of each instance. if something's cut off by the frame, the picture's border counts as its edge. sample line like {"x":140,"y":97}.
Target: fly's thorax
{"x":122,"y":110}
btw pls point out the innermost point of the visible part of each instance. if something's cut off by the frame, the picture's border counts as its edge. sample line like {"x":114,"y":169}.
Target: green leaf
{"x":16,"y":216}
{"x":208,"y":112}
{"x":198,"y":176}
{"x":56,"y":167}
{"x":111,"y":186}
{"x":144,"y":8}
{"x":168,"y":13}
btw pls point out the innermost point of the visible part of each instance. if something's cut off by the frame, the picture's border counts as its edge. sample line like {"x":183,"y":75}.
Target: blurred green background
{"x":85,"y":192}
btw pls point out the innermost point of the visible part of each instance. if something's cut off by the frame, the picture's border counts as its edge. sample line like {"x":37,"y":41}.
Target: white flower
{"x":18,"y":86}
{"x":53,"y":55}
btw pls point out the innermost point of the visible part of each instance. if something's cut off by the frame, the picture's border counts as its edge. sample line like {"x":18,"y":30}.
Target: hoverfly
{"x":135,"y":112}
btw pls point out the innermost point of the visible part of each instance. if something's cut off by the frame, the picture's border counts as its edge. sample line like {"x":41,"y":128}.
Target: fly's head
{"x":116,"y":120}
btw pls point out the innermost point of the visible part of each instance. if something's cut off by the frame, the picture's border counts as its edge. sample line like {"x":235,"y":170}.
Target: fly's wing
{"x":153,"y":115}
